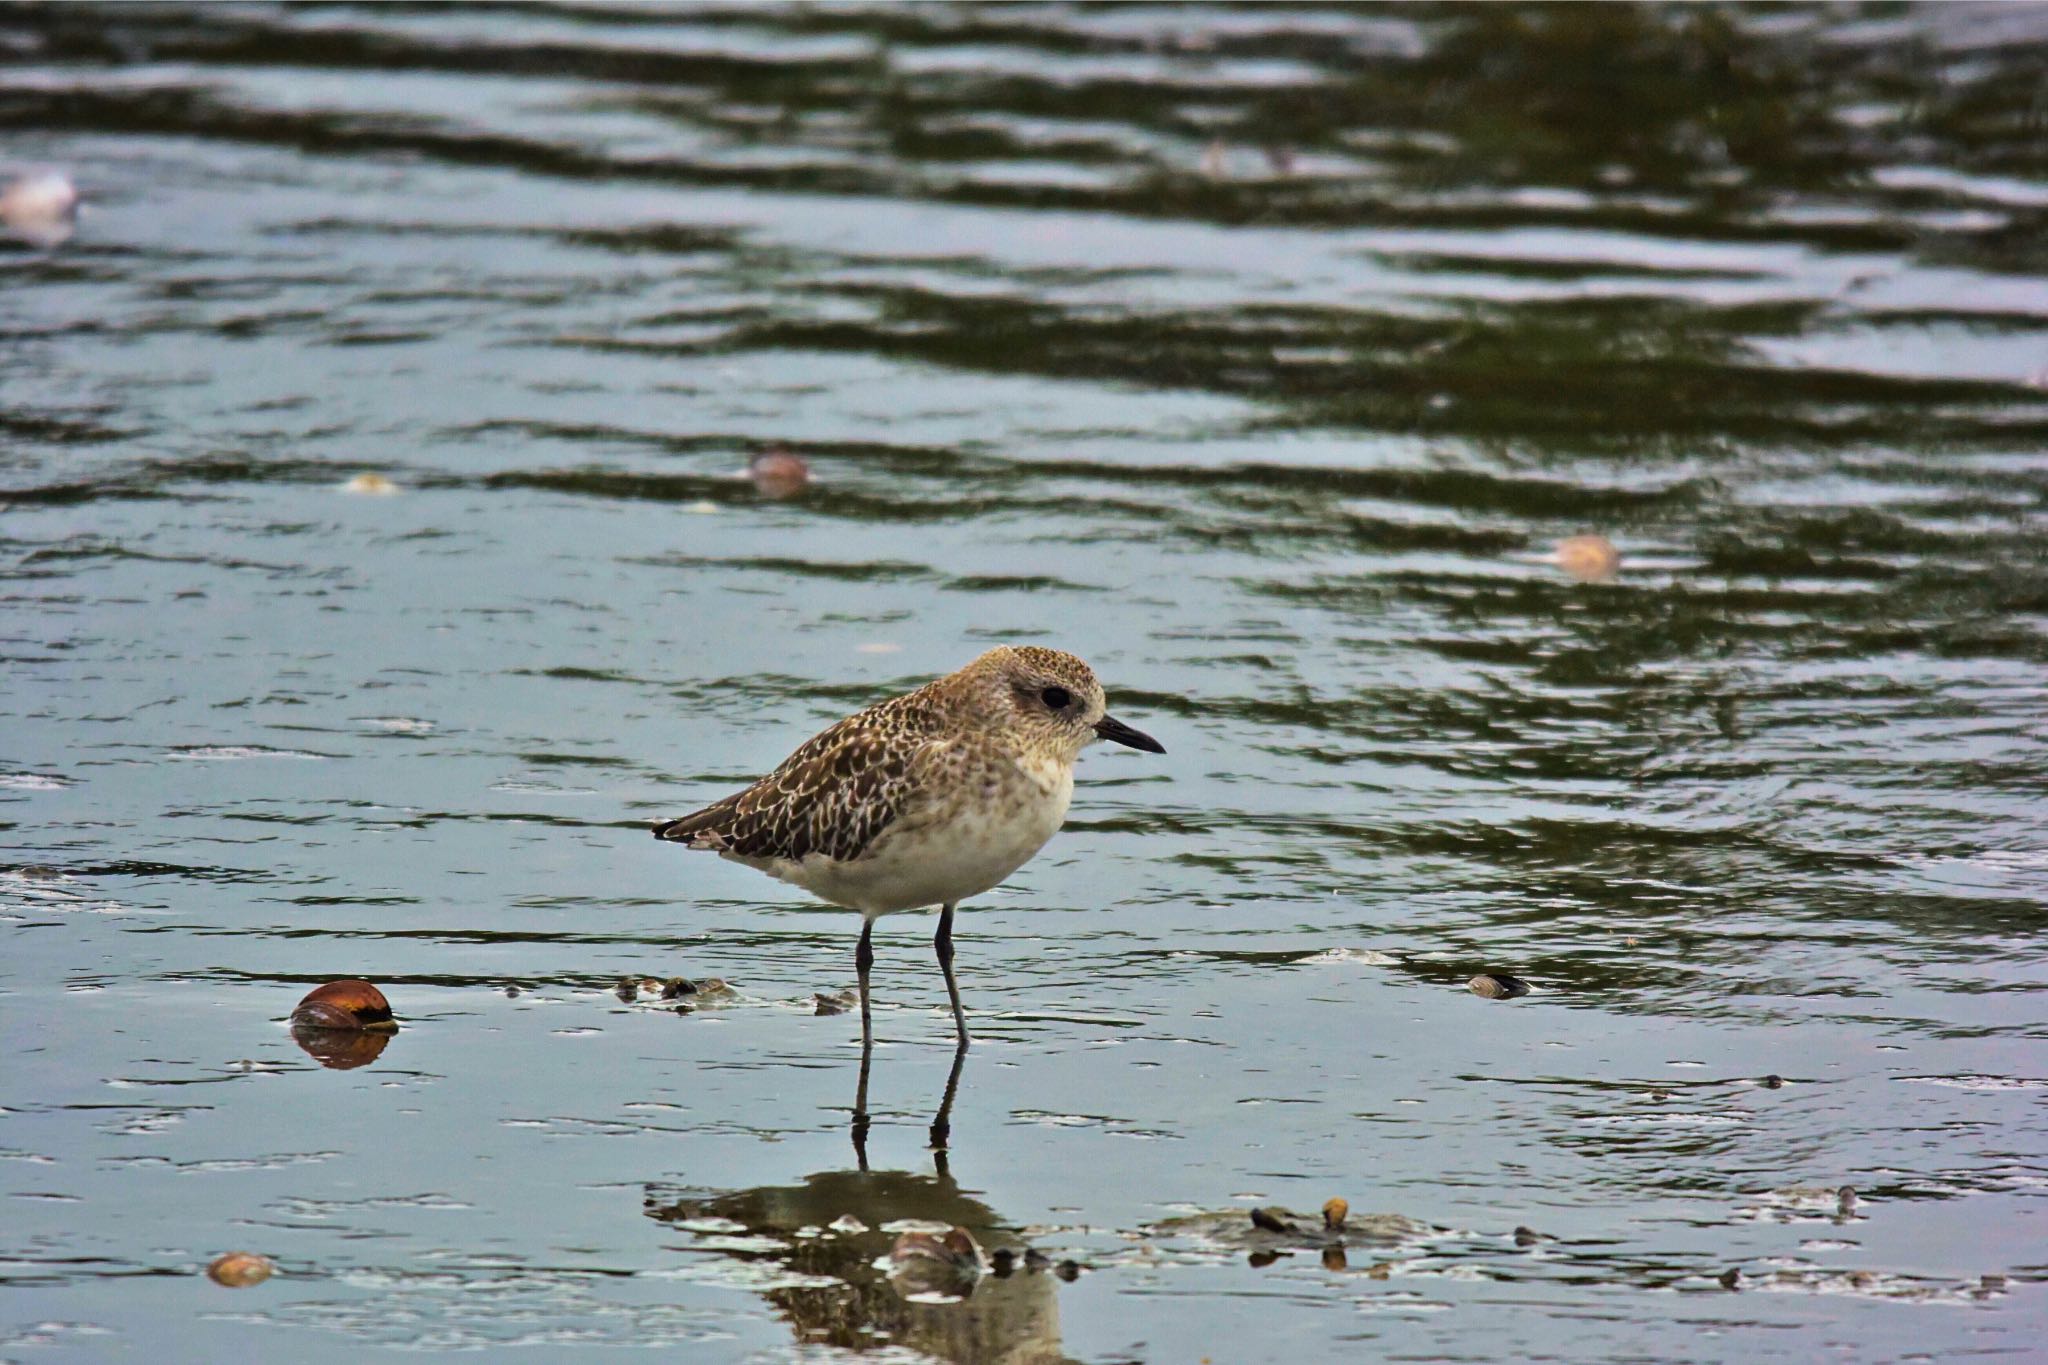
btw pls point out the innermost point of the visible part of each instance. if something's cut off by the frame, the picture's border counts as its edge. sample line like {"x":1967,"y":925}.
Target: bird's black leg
{"x":942,"y":1122}
{"x":942,"y":944}
{"x":863,"y":959}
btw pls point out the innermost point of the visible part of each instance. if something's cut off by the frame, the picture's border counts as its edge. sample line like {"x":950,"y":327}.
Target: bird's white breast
{"x":955,"y":849}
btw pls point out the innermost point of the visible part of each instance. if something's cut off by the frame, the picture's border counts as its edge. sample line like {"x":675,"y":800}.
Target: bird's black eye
{"x":1056,"y":697}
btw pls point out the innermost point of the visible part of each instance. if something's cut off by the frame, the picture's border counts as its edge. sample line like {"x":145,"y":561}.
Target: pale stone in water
{"x":40,"y":208}
{"x":1590,"y":559}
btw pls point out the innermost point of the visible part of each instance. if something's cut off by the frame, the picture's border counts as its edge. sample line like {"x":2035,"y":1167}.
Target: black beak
{"x":1109,"y":727}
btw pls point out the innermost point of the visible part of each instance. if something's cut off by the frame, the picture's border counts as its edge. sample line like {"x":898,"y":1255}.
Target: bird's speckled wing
{"x":833,"y":796}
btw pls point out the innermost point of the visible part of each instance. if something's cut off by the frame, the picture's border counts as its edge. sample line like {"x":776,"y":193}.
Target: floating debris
{"x":1590,"y":559}
{"x":239,"y":1269}
{"x":1367,"y":957}
{"x":676,"y":987}
{"x":1229,"y":1230}
{"x":838,"y":1003}
{"x":41,"y":208}
{"x":1731,"y":1278}
{"x":1774,"y":1082}
{"x":370,"y":486}
{"x":345,"y":1005}
{"x":1497,"y":986}
{"x":778,"y":473}
{"x":1527,"y":1237}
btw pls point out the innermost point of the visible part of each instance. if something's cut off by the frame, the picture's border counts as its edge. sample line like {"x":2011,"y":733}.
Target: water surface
{"x":1260,"y":356}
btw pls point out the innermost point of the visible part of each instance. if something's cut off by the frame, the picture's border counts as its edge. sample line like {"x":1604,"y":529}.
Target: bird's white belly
{"x":946,"y":858}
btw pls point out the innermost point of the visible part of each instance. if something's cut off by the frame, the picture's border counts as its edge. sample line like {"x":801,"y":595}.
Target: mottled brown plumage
{"x":923,"y":799}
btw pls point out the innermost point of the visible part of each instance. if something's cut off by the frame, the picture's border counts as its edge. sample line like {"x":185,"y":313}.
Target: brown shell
{"x":239,"y":1269}
{"x":1498,"y":986}
{"x":344,"y":1005}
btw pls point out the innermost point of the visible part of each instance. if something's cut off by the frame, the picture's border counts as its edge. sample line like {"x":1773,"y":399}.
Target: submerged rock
{"x":778,"y":473}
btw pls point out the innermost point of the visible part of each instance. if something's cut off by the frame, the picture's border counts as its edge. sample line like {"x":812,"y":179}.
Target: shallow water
{"x":1259,"y":356}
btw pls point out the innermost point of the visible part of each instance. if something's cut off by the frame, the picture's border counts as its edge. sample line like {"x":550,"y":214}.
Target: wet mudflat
{"x":380,"y":558}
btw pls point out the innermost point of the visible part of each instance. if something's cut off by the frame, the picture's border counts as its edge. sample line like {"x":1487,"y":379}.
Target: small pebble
{"x":239,"y":1269}
{"x":1590,"y":559}
{"x":927,"y":1262}
{"x":1497,"y":986}
{"x":1270,"y":1221}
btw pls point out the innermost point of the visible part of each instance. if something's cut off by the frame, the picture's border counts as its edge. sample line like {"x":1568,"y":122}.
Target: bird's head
{"x":1047,"y":697}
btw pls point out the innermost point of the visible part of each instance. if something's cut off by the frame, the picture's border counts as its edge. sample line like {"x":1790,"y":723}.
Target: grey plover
{"x":921,"y":800}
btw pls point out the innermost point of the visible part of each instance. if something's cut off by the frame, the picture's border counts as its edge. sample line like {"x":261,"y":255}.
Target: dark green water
{"x":1259,"y":356}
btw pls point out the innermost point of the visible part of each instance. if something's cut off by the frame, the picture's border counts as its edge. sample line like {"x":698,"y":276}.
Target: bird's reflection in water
{"x":827,"y":1232}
